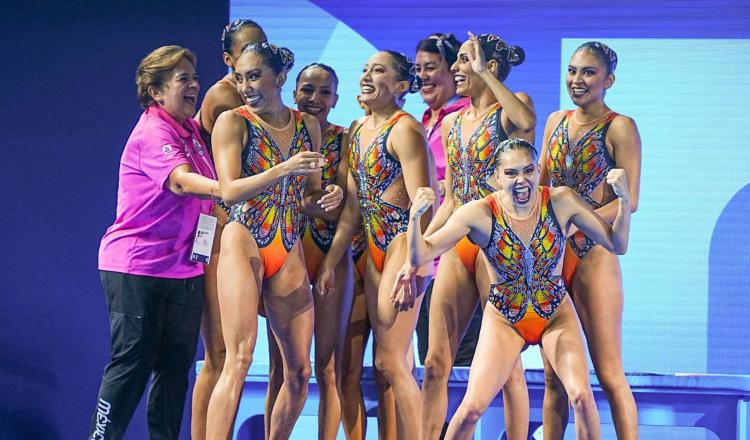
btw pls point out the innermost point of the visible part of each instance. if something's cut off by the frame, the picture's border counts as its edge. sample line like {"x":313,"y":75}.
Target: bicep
{"x":458,"y":226}
{"x":411,"y":150}
{"x":626,"y":146}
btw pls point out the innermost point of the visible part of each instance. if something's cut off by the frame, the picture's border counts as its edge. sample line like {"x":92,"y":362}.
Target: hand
{"x":332,"y":198}
{"x":423,"y":200}
{"x":305,"y":162}
{"x":619,"y":181}
{"x":325,"y":281}
{"x":403,"y":293}
{"x":476,"y":56}
{"x":441,"y":187}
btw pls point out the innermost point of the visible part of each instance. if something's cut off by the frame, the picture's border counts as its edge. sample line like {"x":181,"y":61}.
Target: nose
{"x":423,"y":75}
{"x":454,"y":67}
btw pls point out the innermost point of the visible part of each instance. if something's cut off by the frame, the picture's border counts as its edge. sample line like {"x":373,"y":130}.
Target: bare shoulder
{"x":623,"y":123}
{"x":408,"y":124}
{"x":220,"y":97}
{"x":556,"y":116}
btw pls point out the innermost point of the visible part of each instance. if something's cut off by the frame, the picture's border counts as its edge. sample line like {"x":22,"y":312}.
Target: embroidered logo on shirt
{"x":168,"y":151}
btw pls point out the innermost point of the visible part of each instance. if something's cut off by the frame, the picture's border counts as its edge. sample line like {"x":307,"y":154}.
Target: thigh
{"x":240,"y":279}
{"x":496,"y":355}
{"x":453,"y":302}
{"x":564,"y":347}
{"x":289,"y":308}
{"x":598,"y":298}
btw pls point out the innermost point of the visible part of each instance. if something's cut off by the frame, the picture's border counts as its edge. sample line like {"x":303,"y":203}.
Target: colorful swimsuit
{"x":472,"y":167}
{"x":582,"y":167}
{"x":316,"y":233}
{"x":527,"y":275}
{"x":375,"y":170}
{"x":272,"y":216}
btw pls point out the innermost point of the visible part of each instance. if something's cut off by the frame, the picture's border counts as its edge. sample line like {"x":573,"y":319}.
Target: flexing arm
{"x":625,"y":141}
{"x":613,"y":237}
{"x":228,"y":138}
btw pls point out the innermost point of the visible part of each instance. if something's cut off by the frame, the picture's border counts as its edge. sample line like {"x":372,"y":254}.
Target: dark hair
{"x":515,"y":144}
{"x":607,"y":56}
{"x":325,"y":67}
{"x":227,"y":35}
{"x":155,"y":68}
{"x":494,"y":48}
{"x":444,"y":44}
{"x":406,"y":70}
{"x":278,"y":58}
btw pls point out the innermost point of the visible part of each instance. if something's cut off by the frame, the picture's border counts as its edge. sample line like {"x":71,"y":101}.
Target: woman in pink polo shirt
{"x":154,"y":290}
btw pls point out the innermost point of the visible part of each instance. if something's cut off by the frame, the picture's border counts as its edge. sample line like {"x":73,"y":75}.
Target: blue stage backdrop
{"x":69,"y":103}
{"x":682,"y":76}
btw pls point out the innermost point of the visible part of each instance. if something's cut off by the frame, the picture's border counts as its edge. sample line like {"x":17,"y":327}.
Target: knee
{"x":552,"y":384}
{"x":296,"y":378}
{"x":582,"y":399}
{"x":612,"y":381}
{"x":387,"y":366}
{"x":437,"y":367}
{"x":241,"y":363}
{"x":325,"y":374}
{"x":469,"y":413}
{"x":213,"y":363}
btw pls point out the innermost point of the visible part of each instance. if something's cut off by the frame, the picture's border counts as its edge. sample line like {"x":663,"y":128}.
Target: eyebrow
{"x":581,"y":67}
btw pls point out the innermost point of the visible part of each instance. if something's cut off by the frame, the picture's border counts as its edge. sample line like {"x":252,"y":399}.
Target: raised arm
{"x":573,"y":210}
{"x":227,"y":140}
{"x":518,"y":108}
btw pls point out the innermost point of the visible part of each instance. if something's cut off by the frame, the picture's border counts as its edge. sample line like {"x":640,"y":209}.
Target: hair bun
{"x":516,"y":55}
{"x":287,"y":58}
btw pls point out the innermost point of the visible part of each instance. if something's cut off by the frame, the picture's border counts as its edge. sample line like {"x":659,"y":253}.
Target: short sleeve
{"x":161,"y":151}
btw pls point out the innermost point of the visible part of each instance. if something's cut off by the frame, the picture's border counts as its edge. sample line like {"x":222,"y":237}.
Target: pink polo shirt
{"x":433,"y":135}
{"x":154,"y":228}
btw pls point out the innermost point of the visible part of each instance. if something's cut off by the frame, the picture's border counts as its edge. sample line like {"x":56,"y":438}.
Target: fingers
{"x":332,"y":199}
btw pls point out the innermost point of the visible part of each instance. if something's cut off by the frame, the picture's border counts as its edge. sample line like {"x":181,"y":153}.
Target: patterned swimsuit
{"x":272,"y":216}
{"x":527,"y":275}
{"x":472,"y":167}
{"x":581,"y":167}
{"x":374,"y":170}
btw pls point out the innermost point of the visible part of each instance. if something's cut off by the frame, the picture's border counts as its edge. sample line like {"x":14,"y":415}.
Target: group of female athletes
{"x":330,"y":232}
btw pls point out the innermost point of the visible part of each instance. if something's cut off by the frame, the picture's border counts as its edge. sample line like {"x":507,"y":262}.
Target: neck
{"x":324,"y":124}
{"x":277,"y":114}
{"x":592,"y":110}
{"x":229,"y":77}
{"x":482,"y":102}
{"x":380,"y":116}
{"x":516,"y":210}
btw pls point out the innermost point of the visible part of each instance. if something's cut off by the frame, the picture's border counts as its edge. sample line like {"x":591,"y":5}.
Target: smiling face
{"x":518,"y":175}
{"x":587,"y":78}
{"x":468,"y":83}
{"x":437,"y":79}
{"x":316,"y":92}
{"x":179,"y":92}
{"x":258,"y":85}
{"x":379,"y":83}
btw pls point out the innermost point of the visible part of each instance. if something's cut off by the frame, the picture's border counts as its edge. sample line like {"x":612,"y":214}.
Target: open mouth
{"x":427,"y":88}
{"x":253,"y":100}
{"x":366,"y":89}
{"x":313,"y":109}
{"x":578,"y":91}
{"x":190,"y":100}
{"x":522,"y":195}
{"x":459,"y":79}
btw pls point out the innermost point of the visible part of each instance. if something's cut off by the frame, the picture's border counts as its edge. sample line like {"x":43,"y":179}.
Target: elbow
{"x":633,"y":206}
{"x":620,"y":248}
{"x":228,"y":196}
{"x":528,"y":124}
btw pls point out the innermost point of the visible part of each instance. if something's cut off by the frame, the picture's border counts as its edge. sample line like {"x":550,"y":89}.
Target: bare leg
{"x":599,"y":301}
{"x":515,"y":390}
{"x":555,"y":409}
{"x":563,"y":343}
{"x":240,"y":277}
{"x":331,"y":320}
{"x":213,"y":340}
{"x":393,"y":331}
{"x":289,"y":309}
{"x":494,"y":360}
{"x":353,"y":406}
{"x":275,"y":378}
{"x":454,"y":299}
